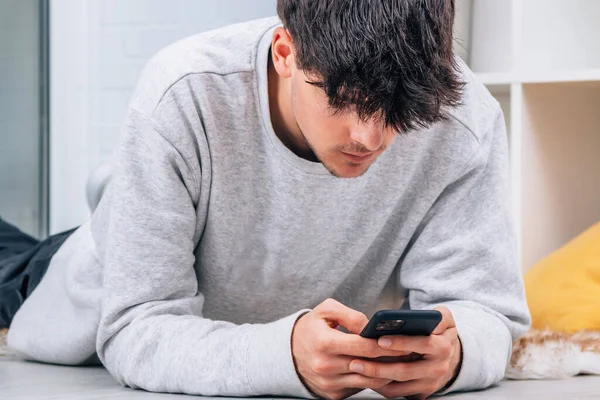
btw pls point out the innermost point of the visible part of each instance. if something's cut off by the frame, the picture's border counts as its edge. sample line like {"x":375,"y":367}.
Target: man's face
{"x":345,"y":145}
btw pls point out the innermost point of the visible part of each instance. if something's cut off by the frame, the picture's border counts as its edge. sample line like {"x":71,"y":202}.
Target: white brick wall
{"x":98,"y":48}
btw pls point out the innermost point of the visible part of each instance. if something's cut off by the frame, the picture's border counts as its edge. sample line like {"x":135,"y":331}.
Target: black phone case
{"x":415,"y":323}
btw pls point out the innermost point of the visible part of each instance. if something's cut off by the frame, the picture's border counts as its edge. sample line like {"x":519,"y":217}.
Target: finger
{"x":339,"y":343}
{"x":330,"y":366}
{"x":354,"y":321}
{"x":428,"y":345}
{"x":401,"y":372}
{"x":402,"y":356}
{"x":359,"y":381}
{"x":446,"y":323}
{"x":421,"y":389}
{"x":338,"y":365}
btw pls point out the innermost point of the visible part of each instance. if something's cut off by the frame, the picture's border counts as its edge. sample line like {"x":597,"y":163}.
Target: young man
{"x":266,"y":169}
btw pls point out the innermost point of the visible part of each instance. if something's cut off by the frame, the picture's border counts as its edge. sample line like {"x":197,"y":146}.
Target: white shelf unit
{"x":541,"y":60}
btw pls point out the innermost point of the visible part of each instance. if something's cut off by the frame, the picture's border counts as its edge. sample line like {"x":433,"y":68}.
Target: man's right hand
{"x":322,"y":354}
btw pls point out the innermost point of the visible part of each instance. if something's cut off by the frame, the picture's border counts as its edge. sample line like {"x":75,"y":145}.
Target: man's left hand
{"x":418,"y":379}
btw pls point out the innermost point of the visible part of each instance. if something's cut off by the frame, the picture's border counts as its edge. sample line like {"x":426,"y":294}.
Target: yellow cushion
{"x":563,"y":290}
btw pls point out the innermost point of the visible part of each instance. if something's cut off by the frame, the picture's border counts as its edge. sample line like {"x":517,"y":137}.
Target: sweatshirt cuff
{"x":486,"y":345}
{"x":269,"y":365}
{"x":470,"y":366}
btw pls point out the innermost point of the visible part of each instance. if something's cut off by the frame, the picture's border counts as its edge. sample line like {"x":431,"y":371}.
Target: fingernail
{"x":385,"y":342}
{"x":356,"y":367}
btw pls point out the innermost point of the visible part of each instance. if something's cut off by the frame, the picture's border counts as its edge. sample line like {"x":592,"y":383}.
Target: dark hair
{"x":386,"y":59}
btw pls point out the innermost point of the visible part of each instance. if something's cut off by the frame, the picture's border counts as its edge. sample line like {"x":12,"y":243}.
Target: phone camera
{"x":390,"y":325}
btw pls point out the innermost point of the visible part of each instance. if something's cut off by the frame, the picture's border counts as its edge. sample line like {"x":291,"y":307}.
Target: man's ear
{"x":282,"y":52}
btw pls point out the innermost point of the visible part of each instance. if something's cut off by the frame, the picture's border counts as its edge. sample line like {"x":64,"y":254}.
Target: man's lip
{"x":357,"y":157}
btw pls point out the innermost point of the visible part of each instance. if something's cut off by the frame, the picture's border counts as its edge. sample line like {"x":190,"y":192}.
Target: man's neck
{"x":282,"y":116}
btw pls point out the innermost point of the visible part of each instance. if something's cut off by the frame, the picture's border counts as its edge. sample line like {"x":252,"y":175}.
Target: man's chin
{"x":347,"y":169}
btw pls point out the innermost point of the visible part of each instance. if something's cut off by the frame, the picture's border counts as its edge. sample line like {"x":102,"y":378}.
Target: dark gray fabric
{"x":23,"y":262}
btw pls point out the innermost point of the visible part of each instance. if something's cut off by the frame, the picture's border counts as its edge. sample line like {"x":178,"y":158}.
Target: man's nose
{"x":370,"y":136}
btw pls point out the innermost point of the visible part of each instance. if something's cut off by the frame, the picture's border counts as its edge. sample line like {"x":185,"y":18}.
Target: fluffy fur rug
{"x":3,"y":348}
{"x":552,"y":355}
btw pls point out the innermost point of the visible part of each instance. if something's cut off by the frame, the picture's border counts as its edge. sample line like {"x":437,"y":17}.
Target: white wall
{"x":491,"y":40}
{"x":561,"y":163}
{"x":462,"y":28}
{"x":98,"y":48}
{"x":560,"y":35}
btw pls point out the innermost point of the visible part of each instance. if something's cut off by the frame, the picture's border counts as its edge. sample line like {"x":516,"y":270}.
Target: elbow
{"x":112,"y":357}
{"x":128,"y":361}
{"x":121,"y":367}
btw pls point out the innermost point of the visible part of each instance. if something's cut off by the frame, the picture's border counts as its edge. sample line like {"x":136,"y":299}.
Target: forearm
{"x":193,"y":355}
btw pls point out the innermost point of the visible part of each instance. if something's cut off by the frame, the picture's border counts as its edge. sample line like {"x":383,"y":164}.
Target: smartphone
{"x":402,"y":322}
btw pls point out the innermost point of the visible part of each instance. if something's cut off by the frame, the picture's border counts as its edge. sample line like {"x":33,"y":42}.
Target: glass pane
{"x":21,"y":162}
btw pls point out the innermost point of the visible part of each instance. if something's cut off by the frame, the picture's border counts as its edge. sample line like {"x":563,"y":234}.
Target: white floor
{"x":21,"y":380}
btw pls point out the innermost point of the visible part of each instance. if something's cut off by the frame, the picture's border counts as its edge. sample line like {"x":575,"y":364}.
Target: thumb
{"x":334,"y":311}
{"x":446,"y":323}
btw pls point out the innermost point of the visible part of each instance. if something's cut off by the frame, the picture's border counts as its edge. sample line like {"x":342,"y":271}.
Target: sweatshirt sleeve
{"x":464,"y":256}
{"x":151,"y":333}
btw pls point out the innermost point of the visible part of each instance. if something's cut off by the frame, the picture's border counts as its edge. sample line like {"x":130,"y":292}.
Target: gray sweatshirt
{"x":212,"y":236}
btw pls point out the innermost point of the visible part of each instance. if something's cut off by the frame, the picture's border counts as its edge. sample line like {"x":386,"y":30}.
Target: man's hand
{"x":322,"y":354}
{"x":418,"y":379}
